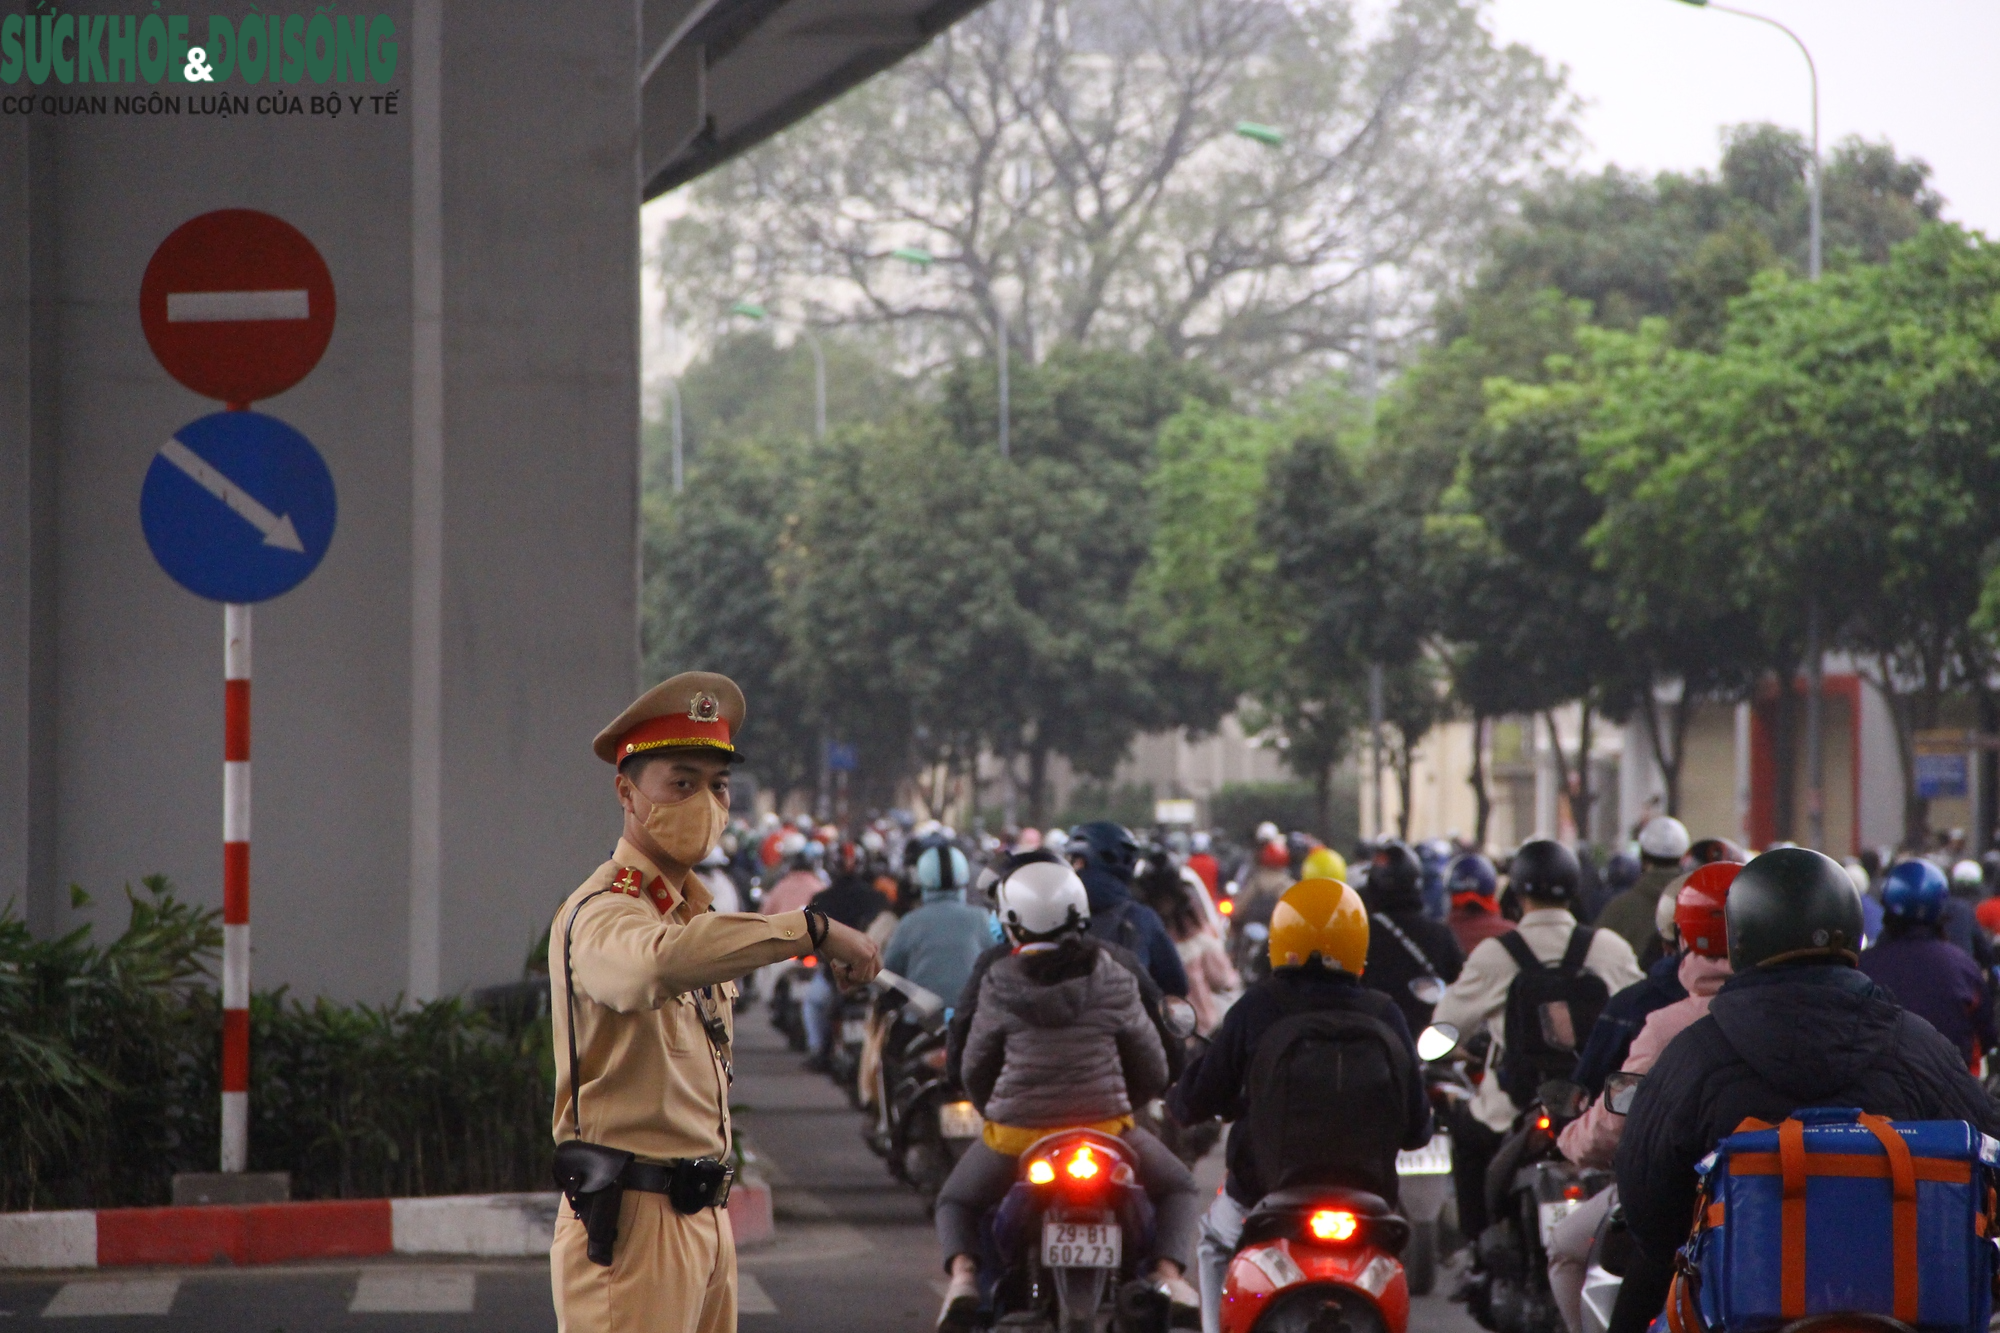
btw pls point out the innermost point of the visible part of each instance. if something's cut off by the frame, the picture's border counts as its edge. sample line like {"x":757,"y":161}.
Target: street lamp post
{"x":751,"y":310}
{"x":1815,"y":667}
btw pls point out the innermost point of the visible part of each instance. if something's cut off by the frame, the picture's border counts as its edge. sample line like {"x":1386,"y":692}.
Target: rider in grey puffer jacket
{"x":1060,"y":1038}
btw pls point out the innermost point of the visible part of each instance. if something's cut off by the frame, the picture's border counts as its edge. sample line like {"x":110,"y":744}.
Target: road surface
{"x":854,"y":1254}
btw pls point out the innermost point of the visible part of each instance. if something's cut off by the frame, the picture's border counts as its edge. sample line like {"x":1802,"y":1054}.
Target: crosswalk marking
{"x":413,"y":1291}
{"x":112,"y":1296}
{"x":751,"y":1298}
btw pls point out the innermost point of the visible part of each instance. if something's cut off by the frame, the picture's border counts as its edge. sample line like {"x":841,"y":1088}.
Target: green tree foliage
{"x":941,"y":599}
{"x":1837,"y":451}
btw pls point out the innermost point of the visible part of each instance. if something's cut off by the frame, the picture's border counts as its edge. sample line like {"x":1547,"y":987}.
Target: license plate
{"x":1433,"y":1159}
{"x":959,"y":1120}
{"x":1082,"y":1245}
{"x":1552,"y":1213}
{"x":854,"y":1030}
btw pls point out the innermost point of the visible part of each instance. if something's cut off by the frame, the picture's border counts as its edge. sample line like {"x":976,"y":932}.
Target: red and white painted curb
{"x":469,"y":1225}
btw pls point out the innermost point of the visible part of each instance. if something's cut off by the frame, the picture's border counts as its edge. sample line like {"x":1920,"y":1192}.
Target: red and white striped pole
{"x":236,"y":887}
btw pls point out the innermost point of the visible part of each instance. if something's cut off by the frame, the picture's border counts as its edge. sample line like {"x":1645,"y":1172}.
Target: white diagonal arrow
{"x":277,"y":528}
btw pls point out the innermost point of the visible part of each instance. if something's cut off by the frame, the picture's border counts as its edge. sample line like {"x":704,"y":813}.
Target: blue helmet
{"x":1472,"y":873}
{"x":942,"y":869}
{"x":1914,"y":891}
{"x":1106,"y":846}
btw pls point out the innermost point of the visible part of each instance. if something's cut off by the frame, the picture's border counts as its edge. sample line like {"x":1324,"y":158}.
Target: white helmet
{"x":1664,"y":838}
{"x":792,"y":843}
{"x":1267,"y":832}
{"x":1055,"y":840}
{"x":871,"y":841}
{"x":1968,"y":875}
{"x":1039,"y":899}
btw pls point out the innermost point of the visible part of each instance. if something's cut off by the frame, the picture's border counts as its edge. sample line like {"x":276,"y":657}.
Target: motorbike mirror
{"x":1257,"y":931}
{"x":1436,"y":1042}
{"x":1620,"y":1091}
{"x":1428,"y":990}
{"x":1565,"y":1100}
{"x":1178,"y":1015}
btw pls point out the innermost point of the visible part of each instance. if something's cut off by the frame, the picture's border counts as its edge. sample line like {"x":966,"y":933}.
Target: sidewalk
{"x":474,"y":1225}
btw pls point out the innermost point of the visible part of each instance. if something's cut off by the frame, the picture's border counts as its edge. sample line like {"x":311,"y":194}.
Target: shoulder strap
{"x":1524,"y":957}
{"x":569,"y":999}
{"x":1410,"y":945}
{"x":1579,"y":947}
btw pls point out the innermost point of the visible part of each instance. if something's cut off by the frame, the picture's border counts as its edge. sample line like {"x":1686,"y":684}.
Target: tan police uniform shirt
{"x":643,"y":952}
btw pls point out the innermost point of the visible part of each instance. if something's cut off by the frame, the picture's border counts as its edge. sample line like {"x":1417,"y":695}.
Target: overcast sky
{"x":1659,"y":80}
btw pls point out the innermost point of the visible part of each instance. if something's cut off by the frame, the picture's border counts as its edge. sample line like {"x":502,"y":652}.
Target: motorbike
{"x":923,"y":1124}
{"x":1611,"y":1246}
{"x":844,"y":1043}
{"x":1530,"y":1187}
{"x":1066,"y":1241}
{"x":1316,"y":1259}
{"x":1424,"y":1174}
{"x":788,"y":985}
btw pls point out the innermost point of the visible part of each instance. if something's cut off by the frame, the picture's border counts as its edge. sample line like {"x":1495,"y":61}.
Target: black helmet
{"x":1393,"y":869}
{"x":1789,"y":904}
{"x":1545,"y":870}
{"x":1106,"y":846}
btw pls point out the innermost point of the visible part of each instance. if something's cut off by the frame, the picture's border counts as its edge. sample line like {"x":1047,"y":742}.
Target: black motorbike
{"x":1530,"y":1187}
{"x":923,"y":1124}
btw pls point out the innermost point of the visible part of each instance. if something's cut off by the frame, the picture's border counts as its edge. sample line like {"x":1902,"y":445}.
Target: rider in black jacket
{"x":1797,"y":1026}
{"x":1404,"y":942}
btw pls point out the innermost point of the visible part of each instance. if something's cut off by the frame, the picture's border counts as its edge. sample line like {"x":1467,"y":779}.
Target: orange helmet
{"x":1324,"y":917}
{"x":1698,"y":909}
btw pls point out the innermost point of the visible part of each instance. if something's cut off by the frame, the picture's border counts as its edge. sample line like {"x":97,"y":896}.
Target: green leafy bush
{"x":110,"y":1068}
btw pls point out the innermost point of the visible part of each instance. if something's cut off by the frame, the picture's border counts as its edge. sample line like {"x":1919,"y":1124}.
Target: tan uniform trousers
{"x":670,"y":1272}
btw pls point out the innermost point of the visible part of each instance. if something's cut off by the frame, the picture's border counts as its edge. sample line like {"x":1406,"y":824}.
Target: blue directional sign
{"x":238,"y":507}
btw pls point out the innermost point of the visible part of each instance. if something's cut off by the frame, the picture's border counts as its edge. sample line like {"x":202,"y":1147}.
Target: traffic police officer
{"x":642,"y":1076}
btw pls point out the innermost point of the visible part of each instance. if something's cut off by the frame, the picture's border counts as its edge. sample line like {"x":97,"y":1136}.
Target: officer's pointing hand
{"x":852,"y":952}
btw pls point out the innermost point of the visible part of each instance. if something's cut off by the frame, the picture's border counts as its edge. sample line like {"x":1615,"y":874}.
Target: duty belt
{"x":692,"y":1183}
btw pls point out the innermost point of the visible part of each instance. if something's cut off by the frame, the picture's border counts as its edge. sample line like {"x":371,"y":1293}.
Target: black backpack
{"x":1550,"y":1010}
{"x":1327,"y":1093}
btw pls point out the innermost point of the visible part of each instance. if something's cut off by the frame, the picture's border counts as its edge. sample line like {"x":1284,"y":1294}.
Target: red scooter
{"x":1318,"y":1260}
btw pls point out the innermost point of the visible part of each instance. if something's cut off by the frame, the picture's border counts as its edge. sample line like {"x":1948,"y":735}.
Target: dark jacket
{"x":1214,"y":1083}
{"x":1631,"y":912}
{"x":1624,"y":1014}
{"x":1391,"y":966}
{"x":1061,"y":1038}
{"x":1775,"y":1040}
{"x":1118,"y":919}
{"x":852,"y":901}
{"x":1939,"y":982}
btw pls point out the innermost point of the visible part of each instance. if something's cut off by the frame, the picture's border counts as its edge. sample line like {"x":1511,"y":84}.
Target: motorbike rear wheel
{"x":1420,"y":1258}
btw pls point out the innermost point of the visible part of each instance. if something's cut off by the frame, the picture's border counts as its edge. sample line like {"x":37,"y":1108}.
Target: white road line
{"x":751,"y":1298}
{"x":230,"y":307}
{"x":110,"y":1296}
{"x":413,"y":1291}
{"x":277,"y":529}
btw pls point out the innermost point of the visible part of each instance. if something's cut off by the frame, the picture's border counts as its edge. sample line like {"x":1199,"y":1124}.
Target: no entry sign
{"x":237,"y":304}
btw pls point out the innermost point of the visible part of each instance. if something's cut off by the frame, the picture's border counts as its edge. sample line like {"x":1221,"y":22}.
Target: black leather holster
{"x":588,"y":1175}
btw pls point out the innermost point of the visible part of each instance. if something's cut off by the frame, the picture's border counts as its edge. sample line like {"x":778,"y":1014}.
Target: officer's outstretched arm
{"x":627,"y":957}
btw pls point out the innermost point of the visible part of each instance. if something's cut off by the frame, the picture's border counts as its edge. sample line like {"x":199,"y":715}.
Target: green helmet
{"x":1792,"y":903}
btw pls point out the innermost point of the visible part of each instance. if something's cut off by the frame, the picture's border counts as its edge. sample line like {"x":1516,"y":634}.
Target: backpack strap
{"x":1579,"y":948}
{"x":1409,"y":945}
{"x":1524,"y":957}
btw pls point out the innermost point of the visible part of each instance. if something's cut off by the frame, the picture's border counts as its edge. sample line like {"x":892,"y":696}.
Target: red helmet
{"x":1698,"y":909}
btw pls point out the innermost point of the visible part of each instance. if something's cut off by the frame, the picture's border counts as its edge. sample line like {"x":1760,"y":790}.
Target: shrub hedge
{"x":110,"y":1075}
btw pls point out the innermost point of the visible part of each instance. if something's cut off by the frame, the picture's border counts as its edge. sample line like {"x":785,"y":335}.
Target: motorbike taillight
{"x":1083,"y":1165}
{"x":1333,"y":1224}
{"x":935,"y":1059}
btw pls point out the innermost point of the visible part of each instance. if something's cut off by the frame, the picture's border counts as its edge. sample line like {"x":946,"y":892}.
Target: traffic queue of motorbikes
{"x":1320,"y":1258}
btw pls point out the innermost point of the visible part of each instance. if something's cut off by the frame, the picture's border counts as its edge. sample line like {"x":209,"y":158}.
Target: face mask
{"x":687,"y":830}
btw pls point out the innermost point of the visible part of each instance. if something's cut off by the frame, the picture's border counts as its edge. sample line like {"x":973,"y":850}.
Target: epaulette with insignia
{"x":629,"y":880}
